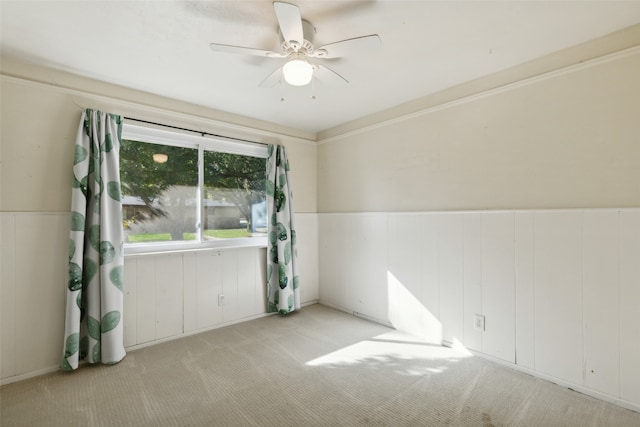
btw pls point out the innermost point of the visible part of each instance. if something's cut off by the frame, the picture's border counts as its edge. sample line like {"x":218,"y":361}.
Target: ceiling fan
{"x":297,"y":36}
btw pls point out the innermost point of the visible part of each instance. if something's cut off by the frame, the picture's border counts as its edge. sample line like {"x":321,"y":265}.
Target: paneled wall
{"x":33,"y":276}
{"x":171,"y":294}
{"x":166,"y":295}
{"x":559,"y":290}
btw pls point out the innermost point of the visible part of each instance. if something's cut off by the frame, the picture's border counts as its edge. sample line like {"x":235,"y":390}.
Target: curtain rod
{"x":194,"y":131}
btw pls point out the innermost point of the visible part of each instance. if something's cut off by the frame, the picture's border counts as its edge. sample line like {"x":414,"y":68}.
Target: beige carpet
{"x":315,"y":367}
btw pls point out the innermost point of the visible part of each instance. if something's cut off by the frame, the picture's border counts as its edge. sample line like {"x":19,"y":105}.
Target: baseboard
{"x":357,"y":314}
{"x":196,"y":331}
{"x":39,"y":372}
{"x":558,"y":381}
{"x":28,"y":375}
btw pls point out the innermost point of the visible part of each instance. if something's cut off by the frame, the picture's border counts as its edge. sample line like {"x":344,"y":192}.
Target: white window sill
{"x":180,"y":247}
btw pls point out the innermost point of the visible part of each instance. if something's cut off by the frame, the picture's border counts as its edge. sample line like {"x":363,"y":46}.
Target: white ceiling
{"x":162,"y":47}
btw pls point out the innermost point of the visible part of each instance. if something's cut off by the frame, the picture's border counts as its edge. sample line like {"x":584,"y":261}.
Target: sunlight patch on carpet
{"x":406,"y":354}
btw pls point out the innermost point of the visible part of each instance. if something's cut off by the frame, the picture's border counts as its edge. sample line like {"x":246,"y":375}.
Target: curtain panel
{"x":93,"y":326}
{"x":283,"y":294}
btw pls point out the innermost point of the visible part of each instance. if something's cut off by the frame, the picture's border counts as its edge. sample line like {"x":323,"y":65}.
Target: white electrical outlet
{"x":220,"y":299}
{"x":478,"y":322}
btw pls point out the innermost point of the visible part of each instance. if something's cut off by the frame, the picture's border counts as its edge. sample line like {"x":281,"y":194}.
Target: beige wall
{"x":37,"y":144}
{"x":569,"y":139}
{"x":40,"y":116}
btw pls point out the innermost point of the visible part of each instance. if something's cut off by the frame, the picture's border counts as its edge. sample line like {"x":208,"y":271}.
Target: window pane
{"x":234,"y":196}
{"x":160,"y":197}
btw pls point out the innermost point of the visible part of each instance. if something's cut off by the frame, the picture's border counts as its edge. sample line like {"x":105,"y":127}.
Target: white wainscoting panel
{"x":190,"y":297}
{"x":130,"y":314}
{"x":430,"y":290}
{"x":230,"y":285}
{"x":559,"y":289}
{"x":238,"y":284}
{"x":601,"y":293}
{"x":33,"y":291}
{"x":450,"y":276}
{"x":145,"y":299}
{"x":366,"y":280}
{"x":472,"y":277}
{"x":404,"y":275}
{"x":209,"y":284}
{"x":525,"y":289}
{"x":169,"y":295}
{"x":558,"y":297}
{"x":8,"y":295}
{"x":498,"y":285}
{"x":247,"y":298}
{"x":40,"y":298}
{"x":260,"y":284}
{"x":630,"y":306}
{"x":334,"y":260}
{"x":307,"y":243}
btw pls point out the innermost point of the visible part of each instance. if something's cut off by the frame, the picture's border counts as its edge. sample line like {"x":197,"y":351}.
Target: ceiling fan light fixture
{"x":297,"y":72}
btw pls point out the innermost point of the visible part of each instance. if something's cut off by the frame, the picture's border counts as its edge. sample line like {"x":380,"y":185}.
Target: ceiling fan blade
{"x":227,"y":48}
{"x":326,"y":74}
{"x":272,"y":79}
{"x":348,"y":47}
{"x":290,"y":23}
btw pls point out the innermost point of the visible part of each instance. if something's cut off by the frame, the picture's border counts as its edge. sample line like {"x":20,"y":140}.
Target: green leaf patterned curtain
{"x":283,"y":294}
{"x":94,"y":327}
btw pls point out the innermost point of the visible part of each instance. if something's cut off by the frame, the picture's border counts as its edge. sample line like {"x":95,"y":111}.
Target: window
{"x":186,"y":191}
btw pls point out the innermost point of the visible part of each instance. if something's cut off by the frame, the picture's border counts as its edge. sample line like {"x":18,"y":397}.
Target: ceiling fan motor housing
{"x":306,"y":45}
{"x":296,"y":37}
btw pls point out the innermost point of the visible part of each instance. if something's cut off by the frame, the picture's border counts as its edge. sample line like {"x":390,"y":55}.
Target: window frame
{"x":205,"y":142}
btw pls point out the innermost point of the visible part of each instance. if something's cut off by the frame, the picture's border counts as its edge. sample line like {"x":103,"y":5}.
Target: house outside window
{"x":186,"y":191}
